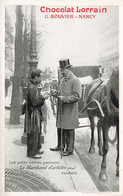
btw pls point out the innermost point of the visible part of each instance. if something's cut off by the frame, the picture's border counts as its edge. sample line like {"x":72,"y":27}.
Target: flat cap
{"x":35,"y":72}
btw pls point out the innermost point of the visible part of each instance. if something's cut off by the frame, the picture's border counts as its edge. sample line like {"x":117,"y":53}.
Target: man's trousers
{"x":33,"y":143}
{"x":68,"y":137}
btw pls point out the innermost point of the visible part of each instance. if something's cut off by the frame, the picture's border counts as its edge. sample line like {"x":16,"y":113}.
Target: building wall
{"x":109,"y":40}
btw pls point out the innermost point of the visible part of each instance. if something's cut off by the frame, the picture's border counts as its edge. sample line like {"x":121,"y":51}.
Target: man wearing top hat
{"x":67,"y":112}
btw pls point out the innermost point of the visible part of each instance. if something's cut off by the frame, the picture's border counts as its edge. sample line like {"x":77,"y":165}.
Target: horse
{"x":102,"y":101}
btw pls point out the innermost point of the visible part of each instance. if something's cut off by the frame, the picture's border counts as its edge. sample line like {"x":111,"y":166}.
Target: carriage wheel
{"x":112,"y":135}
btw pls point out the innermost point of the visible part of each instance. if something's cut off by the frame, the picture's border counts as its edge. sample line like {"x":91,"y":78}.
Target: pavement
{"x":66,"y":174}
{"x":92,"y":162}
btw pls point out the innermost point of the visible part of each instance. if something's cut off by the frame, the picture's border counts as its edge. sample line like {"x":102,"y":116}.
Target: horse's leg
{"x":99,"y":130}
{"x":92,"y":125}
{"x":103,"y":175}
{"x":117,"y":160}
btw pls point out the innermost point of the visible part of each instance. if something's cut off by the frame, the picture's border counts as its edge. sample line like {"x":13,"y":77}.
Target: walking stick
{"x":60,"y":105}
{"x":61,"y":125}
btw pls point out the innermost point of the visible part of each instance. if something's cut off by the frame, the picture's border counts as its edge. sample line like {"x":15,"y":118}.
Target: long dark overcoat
{"x":33,"y":113}
{"x":67,"y":113}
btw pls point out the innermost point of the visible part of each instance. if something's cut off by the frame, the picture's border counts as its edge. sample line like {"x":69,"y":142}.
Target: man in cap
{"x":33,"y":115}
{"x":67,"y":113}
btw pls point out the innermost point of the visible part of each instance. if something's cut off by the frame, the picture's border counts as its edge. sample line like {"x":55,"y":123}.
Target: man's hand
{"x":61,"y":98}
{"x":46,"y":95}
{"x":53,"y":93}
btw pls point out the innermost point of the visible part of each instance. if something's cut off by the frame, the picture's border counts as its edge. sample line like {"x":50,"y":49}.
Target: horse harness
{"x":103,"y":92}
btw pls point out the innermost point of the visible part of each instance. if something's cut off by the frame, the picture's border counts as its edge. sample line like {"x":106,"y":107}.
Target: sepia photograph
{"x":61,"y":98}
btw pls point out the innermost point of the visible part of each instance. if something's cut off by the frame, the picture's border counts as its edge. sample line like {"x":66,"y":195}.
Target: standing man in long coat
{"x":33,"y":115}
{"x":67,"y":114}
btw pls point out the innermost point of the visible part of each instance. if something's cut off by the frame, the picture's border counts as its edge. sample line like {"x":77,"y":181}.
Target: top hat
{"x":64,"y":63}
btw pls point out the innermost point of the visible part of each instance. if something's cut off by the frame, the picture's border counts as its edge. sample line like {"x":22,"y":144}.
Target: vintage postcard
{"x":60,"y":96}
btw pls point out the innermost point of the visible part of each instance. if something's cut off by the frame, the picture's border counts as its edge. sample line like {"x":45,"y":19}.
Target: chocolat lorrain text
{"x":76,"y":9}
